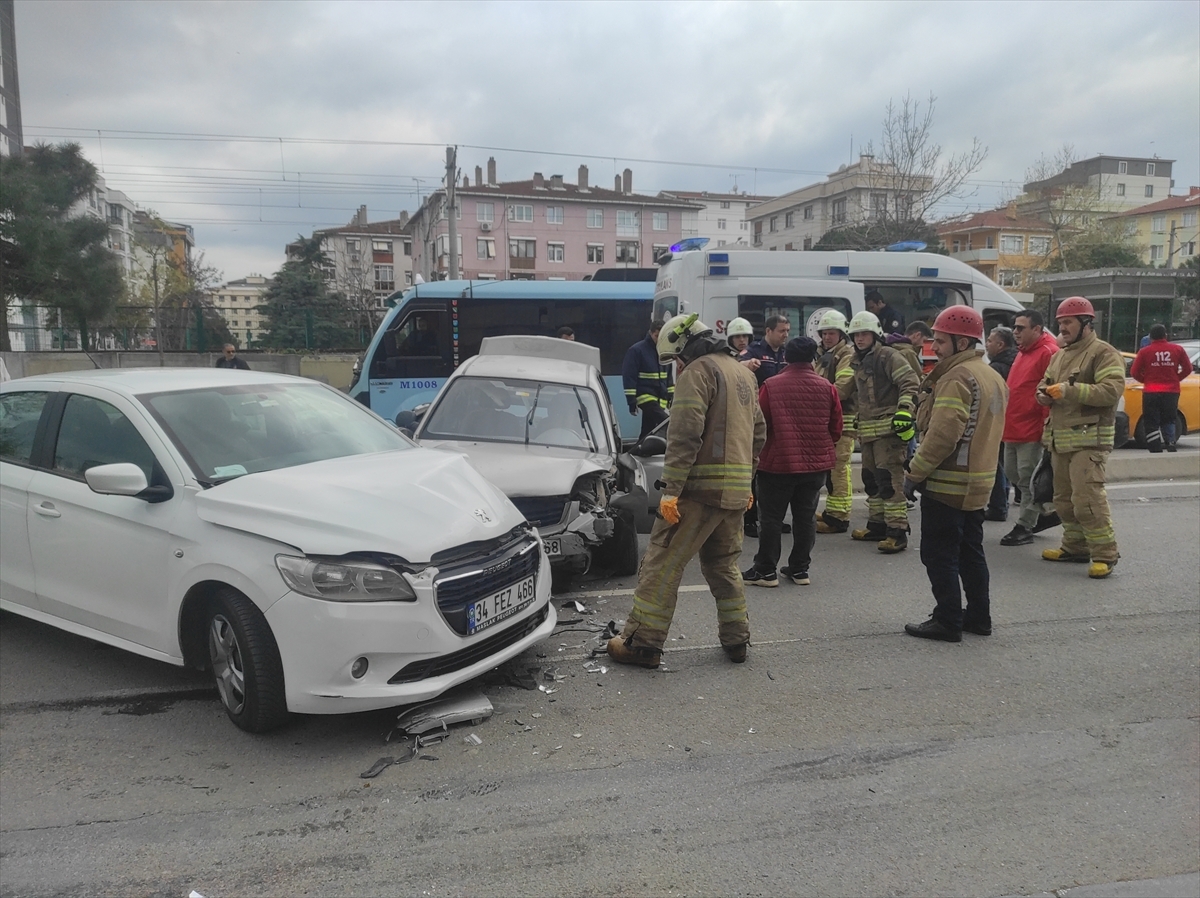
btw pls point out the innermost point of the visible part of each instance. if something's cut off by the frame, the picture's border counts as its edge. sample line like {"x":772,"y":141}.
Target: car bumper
{"x":320,"y":641}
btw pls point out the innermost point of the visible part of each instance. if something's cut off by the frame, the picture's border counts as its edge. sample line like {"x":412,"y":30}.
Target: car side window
{"x":94,"y":432}
{"x":19,"y":416}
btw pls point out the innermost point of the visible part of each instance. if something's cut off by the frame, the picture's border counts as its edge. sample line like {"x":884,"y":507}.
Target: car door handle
{"x":47,"y":510}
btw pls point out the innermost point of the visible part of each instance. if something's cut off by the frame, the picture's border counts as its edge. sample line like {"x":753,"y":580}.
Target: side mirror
{"x":123,"y":479}
{"x":420,"y":410}
{"x":406,"y":420}
{"x":651,"y":445}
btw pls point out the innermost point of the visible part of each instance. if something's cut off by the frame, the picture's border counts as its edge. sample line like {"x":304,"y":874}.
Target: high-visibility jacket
{"x":883,"y":382}
{"x":960,"y":416}
{"x":717,"y":433}
{"x":1093,"y":375}
{"x":645,"y":378}
{"x":834,"y":366}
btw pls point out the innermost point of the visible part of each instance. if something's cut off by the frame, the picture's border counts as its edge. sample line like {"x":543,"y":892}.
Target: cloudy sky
{"x":256,"y":121}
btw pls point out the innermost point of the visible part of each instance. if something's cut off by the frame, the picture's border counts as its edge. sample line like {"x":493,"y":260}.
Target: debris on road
{"x":470,"y":706}
{"x":377,"y":768}
{"x":472,"y":739}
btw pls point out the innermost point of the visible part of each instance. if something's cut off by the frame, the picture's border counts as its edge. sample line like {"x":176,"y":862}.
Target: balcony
{"x":521,"y":264}
{"x":972,"y":256}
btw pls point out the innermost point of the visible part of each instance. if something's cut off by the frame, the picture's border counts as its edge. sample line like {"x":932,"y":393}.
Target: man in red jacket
{"x":1023,"y":424}
{"x":1160,"y":366}
{"x":804,"y":423}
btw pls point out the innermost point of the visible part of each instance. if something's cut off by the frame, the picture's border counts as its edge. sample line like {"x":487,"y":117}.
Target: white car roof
{"x":523,"y":367}
{"x":542,"y":347}
{"x":135,"y":381}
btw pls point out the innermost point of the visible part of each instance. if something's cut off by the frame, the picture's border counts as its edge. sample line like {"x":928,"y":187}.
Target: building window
{"x":774,"y":225}
{"x":1010,"y":277}
{"x":521,"y":248}
{"x":789,"y":220}
{"x":659,"y":222}
{"x":724,"y":204}
{"x":808,"y":213}
{"x":595,"y":253}
{"x":485,"y":248}
{"x":1012,"y":244}
{"x":627,"y":251}
{"x":878,"y":205}
{"x":1188,"y":249}
{"x":758,"y":233}
{"x":1149,"y":190}
{"x":627,"y":223}
{"x":485,"y":212}
{"x":554,"y":215}
{"x":957,"y":246}
{"x":381,"y":246}
{"x":352,"y":244}
{"x":991,"y":242}
{"x":839,"y":212}
{"x":808,"y":243}
{"x":1158,"y":224}
{"x":1156,"y":253}
{"x":520,"y":213}
{"x":1189,"y":218}
{"x":1131,"y":227}
{"x":1120,"y":189}
{"x":554,"y":252}
{"x":408,"y":246}
{"x":1039,"y":246}
{"x":595,"y":218}
{"x":720,"y":224}
{"x":743,"y":225}
{"x":659,"y":249}
{"x":408,"y":279}
{"x":385,"y":278}
{"x":1149,"y":169}
{"x":1122,"y":168}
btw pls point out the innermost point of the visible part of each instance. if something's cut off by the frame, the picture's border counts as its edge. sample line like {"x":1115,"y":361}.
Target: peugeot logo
{"x":484,"y":517}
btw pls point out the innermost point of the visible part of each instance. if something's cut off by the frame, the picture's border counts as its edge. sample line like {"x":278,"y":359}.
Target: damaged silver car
{"x":532,"y":415}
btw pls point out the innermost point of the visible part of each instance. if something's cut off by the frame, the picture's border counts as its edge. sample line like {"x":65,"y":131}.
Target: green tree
{"x":48,"y":257}
{"x":879,"y":234}
{"x":301,"y":311}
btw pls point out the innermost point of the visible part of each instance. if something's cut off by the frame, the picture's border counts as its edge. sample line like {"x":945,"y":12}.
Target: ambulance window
{"x":666,"y":307}
{"x":799,"y":310}
{"x":920,"y":302}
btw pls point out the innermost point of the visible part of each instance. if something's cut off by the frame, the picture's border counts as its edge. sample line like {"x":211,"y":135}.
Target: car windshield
{"x":518,"y":411}
{"x":225,"y":432}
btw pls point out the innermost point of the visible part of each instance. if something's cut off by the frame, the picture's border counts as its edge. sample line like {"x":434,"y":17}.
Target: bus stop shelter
{"x":1127,"y":300}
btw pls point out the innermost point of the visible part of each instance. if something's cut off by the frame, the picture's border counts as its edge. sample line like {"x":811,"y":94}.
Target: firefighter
{"x":717,"y":432}
{"x":961,"y":419}
{"x":885,"y":389}
{"x":1084,"y":382}
{"x":834,"y":365}
{"x":740,"y":334}
{"x":648,"y":385}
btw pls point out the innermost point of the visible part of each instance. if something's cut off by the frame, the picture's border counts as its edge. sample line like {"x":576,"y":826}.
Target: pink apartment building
{"x":546,"y":229}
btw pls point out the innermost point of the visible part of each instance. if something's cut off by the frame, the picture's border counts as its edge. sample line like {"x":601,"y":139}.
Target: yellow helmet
{"x":865,"y":322}
{"x":739,"y":327}
{"x":677,"y":333}
{"x":832,"y":320}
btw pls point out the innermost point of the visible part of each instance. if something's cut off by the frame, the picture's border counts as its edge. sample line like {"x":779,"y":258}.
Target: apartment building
{"x":1099,"y":184}
{"x":1003,"y":244}
{"x":237,"y":302}
{"x":1166,"y":231}
{"x":117,"y":211}
{"x":722,"y":216}
{"x":860,"y":193}
{"x":545,"y":228}
{"x":367,"y":261}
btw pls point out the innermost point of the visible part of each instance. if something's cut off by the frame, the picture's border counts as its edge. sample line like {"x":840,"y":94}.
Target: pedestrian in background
{"x":1084,"y":382}
{"x":230,"y":359}
{"x":647,"y":381}
{"x":1001,"y":352}
{"x":1023,"y":424}
{"x":961,"y":418}
{"x":803,"y":415}
{"x":920,"y":335}
{"x":1161,"y":366}
{"x":717,"y":432}
{"x":890,"y":321}
{"x":566,"y":333}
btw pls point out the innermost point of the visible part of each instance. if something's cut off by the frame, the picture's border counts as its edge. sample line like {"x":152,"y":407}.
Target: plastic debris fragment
{"x":377,"y":768}
{"x":472,"y":739}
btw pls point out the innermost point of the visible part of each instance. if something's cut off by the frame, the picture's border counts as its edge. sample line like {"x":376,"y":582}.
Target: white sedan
{"x":265,"y":527}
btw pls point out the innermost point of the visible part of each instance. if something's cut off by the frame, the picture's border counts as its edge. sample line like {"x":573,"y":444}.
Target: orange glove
{"x":668,"y":507}
{"x":1055,"y":391}
{"x":750,"y":502}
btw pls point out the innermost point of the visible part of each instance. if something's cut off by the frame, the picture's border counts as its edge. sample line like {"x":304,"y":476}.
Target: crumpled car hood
{"x":526,"y":470}
{"x":411,"y":503}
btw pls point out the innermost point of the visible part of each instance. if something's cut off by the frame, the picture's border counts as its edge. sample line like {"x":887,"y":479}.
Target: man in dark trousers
{"x":230,"y":359}
{"x":804,"y":423}
{"x":647,"y":382}
{"x":1160,"y":365}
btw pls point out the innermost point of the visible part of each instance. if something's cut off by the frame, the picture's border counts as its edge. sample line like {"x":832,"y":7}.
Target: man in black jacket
{"x":230,"y":359}
{"x":647,"y":382}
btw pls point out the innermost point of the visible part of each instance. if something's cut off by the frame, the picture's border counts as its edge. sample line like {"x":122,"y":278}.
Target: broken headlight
{"x":344,"y":581}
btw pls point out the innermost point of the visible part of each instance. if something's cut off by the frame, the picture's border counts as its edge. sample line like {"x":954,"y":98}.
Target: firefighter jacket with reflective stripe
{"x":1093,"y":375}
{"x":717,"y":432}
{"x":645,"y":378}
{"x":834,"y":366}
{"x":883,"y":382}
{"x":960,"y":416}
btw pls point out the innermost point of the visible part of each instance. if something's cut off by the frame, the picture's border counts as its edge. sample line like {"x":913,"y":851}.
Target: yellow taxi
{"x":1133,"y":428}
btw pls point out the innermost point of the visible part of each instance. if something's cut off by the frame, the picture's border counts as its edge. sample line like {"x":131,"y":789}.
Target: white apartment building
{"x":1113,"y":184}
{"x":855,"y":194}
{"x":237,"y":302}
{"x":367,"y":261}
{"x":721,"y":216}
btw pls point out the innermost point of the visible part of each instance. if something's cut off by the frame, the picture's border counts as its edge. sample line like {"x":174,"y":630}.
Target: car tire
{"x":246,"y":666}
{"x":626,"y":556}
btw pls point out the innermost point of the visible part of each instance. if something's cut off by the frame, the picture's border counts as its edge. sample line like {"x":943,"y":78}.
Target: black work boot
{"x":933,"y":629}
{"x":896,"y":541}
{"x":736,"y":653}
{"x":829,"y":524}
{"x":873,"y":532}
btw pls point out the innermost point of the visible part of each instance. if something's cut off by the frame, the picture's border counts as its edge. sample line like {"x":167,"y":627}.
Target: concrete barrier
{"x":332,"y":368}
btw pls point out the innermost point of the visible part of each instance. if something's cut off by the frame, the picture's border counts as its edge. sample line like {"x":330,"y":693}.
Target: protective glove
{"x":903,"y":424}
{"x":911,"y":487}
{"x":1055,"y":391}
{"x":668,"y":507}
{"x":750,"y":503}
{"x":632,"y":408}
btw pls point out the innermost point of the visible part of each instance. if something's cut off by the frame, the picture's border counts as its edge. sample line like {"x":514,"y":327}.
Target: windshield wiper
{"x":529,"y":417}
{"x":586,"y":422}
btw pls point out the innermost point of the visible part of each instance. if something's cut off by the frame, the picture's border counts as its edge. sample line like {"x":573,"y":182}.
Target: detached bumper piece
{"x":445,"y":664}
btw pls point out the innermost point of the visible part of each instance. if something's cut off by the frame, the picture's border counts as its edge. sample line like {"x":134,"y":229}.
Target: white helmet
{"x":865,"y":322}
{"x":832,"y":320}
{"x":739,"y":327}
{"x":677,"y":333}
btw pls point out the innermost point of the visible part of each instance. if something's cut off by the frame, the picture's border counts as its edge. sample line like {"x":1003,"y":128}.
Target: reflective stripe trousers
{"x":1082,"y":503}
{"x":838,"y":502}
{"x":716,"y":535}
{"x":883,"y":479}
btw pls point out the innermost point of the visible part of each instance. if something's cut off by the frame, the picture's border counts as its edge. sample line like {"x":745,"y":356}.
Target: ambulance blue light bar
{"x":927,"y":272}
{"x":842,"y":270}
{"x":689,"y":244}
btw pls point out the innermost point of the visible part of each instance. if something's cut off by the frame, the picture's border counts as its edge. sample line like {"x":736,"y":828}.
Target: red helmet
{"x":962,"y":321}
{"x":1075,"y":307}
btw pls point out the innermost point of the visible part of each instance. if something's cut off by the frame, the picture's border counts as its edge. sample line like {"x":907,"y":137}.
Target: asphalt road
{"x":844,"y":758}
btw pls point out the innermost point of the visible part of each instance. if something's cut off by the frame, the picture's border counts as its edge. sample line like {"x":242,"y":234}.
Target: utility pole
{"x":451,"y":200}
{"x":1171,"y":247}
